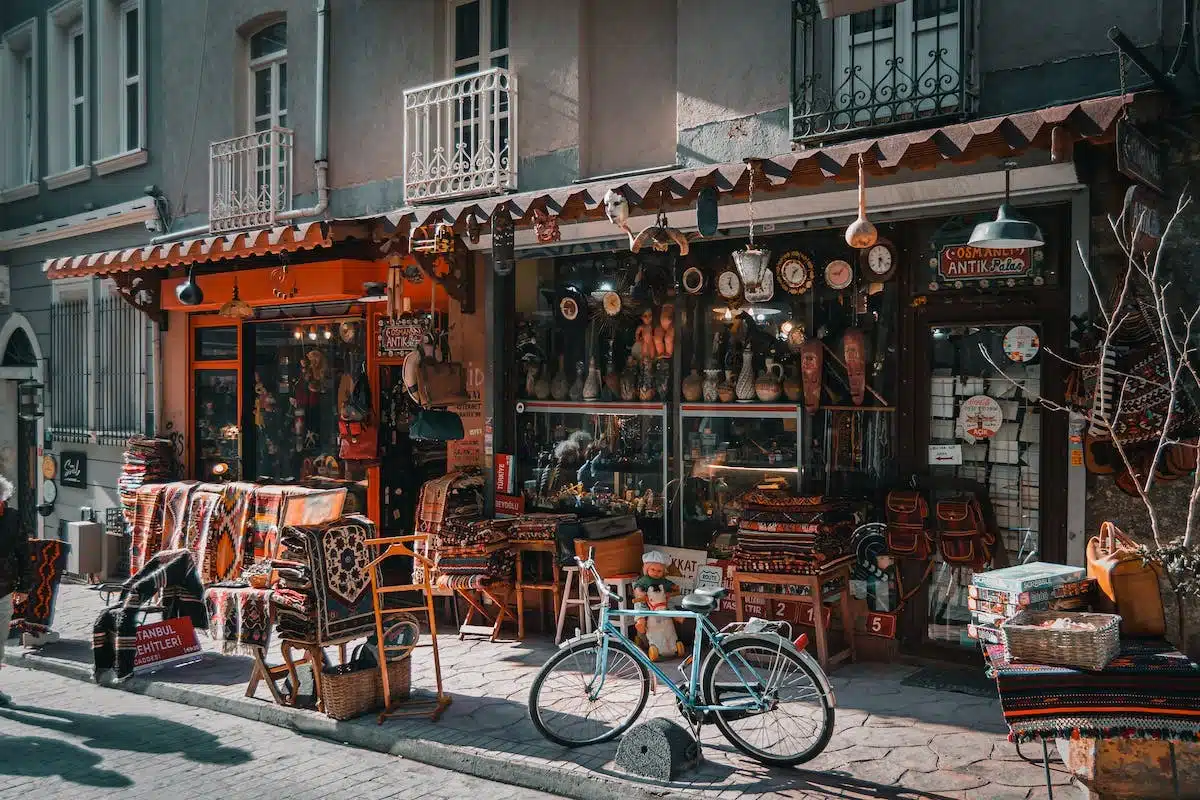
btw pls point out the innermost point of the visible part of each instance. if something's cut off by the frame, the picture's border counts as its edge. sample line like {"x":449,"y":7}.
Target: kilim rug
{"x":338,"y":557}
{"x":239,"y":617}
{"x":204,"y":500}
{"x":1150,"y":690}
{"x":36,"y":613}
{"x":228,"y":530}
{"x":145,"y":528}
{"x":175,"y":513}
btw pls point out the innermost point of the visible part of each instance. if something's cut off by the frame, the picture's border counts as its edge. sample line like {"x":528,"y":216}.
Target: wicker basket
{"x":1024,"y":640}
{"x":351,"y":693}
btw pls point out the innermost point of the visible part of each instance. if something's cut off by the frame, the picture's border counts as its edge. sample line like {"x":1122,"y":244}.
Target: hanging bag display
{"x":907,"y":534}
{"x":436,"y":425}
{"x":963,"y":537}
{"x":358,"y":436}
{"x":1126,"y":584}
{"x":441,"y":382}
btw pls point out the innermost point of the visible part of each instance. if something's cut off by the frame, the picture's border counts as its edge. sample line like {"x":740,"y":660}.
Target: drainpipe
{"x":322,"y":138}
{"x":322,"y":133}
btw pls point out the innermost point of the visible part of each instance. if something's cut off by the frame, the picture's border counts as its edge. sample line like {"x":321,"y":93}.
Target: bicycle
{"x":748,"y":681}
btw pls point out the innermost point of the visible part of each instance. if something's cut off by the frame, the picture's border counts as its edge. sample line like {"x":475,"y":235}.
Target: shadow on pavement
{"x":136,"y":733}
{"x":37,"y":757}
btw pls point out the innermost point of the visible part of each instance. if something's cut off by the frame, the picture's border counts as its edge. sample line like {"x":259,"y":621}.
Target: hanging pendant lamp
{"x":861,"y":234}
{"x":1007,"y":231}
{"x":236,"y":307}
{"x":189,"y":292}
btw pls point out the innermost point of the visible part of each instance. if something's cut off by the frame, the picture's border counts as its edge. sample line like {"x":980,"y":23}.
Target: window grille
{"x":70,"y":374}
{"x":120,"y":369}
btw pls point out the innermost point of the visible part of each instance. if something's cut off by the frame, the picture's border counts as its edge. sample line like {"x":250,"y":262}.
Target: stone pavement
{"x":63,"y":738}
{"x":891,"y":740}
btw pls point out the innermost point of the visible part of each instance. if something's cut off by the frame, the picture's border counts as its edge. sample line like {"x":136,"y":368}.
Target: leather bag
{"x":907,"y":534}
{"x":358,"y":440}
{"x":963,"y":537}
{"x":442,"y":383}
{"x":436,"y":426}
{"x":1125,"y":584}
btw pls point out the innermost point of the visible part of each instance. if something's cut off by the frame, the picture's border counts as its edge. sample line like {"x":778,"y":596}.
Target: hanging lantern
{"x":236,"y":307}
{"x":189,"y":292}
{"x":861,"y":234}
{"x":753,"y":262}
{"x":30,"y":400}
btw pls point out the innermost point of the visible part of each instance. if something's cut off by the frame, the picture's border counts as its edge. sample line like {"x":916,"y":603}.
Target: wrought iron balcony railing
{"x":460,"y":137}
{"x":894,"y":66}
{"x":249,"y":180}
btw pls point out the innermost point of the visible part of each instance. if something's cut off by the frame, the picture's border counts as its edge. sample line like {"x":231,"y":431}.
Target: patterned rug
{"x":204,"y":499}
{"x":1150,"y":690}
{"x":36,"y":613}
{"x":229,"y":530}
{"x":175,"y":509}
{"x":338,"y":557}
{"x":146,"y":525}
{"x":239,"y":617}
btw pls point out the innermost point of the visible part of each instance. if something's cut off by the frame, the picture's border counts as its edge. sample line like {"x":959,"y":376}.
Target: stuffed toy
{"x":651,"y":592}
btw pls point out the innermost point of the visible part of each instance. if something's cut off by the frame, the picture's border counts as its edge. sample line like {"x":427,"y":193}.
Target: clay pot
{"x":769,"y":386}
{"x":693,"y":387}
{"x":712,"y":379}
{"x":744,"y":388}
{"x":793,"y":388}
{"x":560,"y":387}
{"x":725,"y":390}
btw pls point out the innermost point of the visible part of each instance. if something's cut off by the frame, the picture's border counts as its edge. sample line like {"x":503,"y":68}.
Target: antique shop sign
{"x":684,"y":566}
{"x":980,"y":417}
{"x":1139,"y":158}
{"x":74,"y":469}
{"x":398,"y":337}
{"x":168,"y":642}
{"x":962,"y":263}
{"x":1141,"y":220}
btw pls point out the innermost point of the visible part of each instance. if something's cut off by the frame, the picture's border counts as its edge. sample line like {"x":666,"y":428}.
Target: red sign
{"x":962,"y":262}
{"x":162,"y":643}
{"x":881,"y":625}
{"x":509,"y":505}
{"x":503,"y":466}
{"x":797,"y":612}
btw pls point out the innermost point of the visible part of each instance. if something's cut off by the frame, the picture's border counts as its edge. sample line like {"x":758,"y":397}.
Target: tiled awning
{"x":1054,"y":129}
{"x":281,"y":239}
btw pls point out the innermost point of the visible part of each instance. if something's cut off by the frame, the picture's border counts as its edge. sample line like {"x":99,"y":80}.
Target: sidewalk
{"x":892,"y":740}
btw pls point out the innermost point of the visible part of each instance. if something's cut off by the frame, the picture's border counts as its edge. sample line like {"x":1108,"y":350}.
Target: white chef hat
{"x":655,"y":557}
{"x":6,"y":489}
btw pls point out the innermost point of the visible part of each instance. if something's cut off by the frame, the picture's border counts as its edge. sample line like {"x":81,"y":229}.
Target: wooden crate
{"x":620,"y":555}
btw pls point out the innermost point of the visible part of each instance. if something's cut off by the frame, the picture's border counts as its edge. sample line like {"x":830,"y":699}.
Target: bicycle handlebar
{"x":589,"y":565}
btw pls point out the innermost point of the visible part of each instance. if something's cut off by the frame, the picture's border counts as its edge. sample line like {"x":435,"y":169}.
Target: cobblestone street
{"x":64,"y":738}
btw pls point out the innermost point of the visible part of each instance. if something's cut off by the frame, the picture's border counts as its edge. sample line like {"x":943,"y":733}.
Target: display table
{"x":554,"y":587}
{"x":1130,"y":724}
{"x":816,"y":595}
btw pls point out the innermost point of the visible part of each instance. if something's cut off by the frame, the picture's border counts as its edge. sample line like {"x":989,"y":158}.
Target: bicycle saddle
{"x":702,"y":601}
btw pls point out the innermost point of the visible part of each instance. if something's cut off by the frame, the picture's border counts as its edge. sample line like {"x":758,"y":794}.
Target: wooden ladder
{"x":403,"y":546}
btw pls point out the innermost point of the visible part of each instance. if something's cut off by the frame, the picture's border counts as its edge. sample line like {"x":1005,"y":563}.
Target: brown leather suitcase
{"x":1125,"y":584}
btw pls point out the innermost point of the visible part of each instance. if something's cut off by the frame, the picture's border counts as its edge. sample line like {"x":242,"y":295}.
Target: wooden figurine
{"x":664,"y":333}
{"x":644,"y":346}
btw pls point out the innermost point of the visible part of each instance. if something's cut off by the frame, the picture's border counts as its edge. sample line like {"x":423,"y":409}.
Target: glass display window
{"x":216,"y":433}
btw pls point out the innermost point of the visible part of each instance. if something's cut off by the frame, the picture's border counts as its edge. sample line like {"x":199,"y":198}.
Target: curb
{"x":568,"y":780}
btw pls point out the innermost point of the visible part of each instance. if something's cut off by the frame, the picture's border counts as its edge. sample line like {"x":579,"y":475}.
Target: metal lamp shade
{"x":1007,"y":232}
{"x":752,"y":264}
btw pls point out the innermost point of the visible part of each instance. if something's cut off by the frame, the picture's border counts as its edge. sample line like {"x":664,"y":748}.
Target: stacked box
{"x":1001,"y":594}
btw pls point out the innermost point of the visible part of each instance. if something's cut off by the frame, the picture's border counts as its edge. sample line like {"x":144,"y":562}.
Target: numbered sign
{"x":881,"y":625}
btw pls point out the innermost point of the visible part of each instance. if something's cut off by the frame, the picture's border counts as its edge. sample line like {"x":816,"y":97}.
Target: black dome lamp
{"x":1007,"y":231}
{"x":189,"y":292}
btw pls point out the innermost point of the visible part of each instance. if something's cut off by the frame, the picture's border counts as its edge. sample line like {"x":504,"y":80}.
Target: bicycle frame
{"x":704,"y":630}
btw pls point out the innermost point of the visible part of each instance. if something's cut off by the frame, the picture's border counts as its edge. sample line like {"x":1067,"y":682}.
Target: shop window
{"x":216,"y":433}
{"x":215,"y":344}
{"x":303,"y":372}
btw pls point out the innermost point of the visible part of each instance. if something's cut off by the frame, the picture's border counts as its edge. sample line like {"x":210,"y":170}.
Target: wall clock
{"x":693,"y":280}
{"x":838,"y":274}
{"x":879,"y":261}
{"x":569,"y":308}
{"x":49,"y":493}
{"x":795,"y":272}
{"x":796,"y":338}
{"x":729,"y":285}
{"x":49,"y":467}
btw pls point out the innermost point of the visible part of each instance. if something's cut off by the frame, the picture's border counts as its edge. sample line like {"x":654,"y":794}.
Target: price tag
{"x":881,"y":625}
{"x":806,"y":616}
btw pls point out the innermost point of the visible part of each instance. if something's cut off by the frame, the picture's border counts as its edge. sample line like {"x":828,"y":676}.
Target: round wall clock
{"x":49,"y":492}
{"x":838,"y":274}
{"x":693,"y":280}
{"x":49,"y":467}
{"x":795,"y":271}
{"x":569,"y":308}
{"x":729,"y":285}
{"x":879,"y":261}
{"x":611,"y":303}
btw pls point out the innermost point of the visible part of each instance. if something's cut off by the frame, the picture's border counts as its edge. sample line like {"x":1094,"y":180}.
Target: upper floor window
{"x":478,"y":35}
{"x":76,"y":96}
{"x":18,"y":95}
{"x":268,"y":78}
{"x":67,"y":99}
{"x":891,"y":66}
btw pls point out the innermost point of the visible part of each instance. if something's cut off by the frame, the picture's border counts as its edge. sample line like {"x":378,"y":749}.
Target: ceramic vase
{"x":744,"y":388}
{"x":712,"y":379}
{"x":629,"y":381}
{"x":793,"y":388}
{"x":591,"y":387}
{"x":693,"y":387}
{"x":769,"y":384}
{"x":531,"y":371}
{"x":560,"y":387}
{"x":662,"y":378}
{"x":725,"y":391}
{"x":575,"y":393}
{"x":646,"y":382}
{"x":612,"y":379}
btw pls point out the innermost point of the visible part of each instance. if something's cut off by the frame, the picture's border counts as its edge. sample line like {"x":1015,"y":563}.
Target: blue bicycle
{"x":768,"y":697}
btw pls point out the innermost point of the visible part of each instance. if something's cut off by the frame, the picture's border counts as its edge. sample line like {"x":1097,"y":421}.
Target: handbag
{"x":907,"y":535}
{"x":442,"y":383}
{"x":1126,"y":584}
{"x":358,"y":440}
{"x":963,"y":537}
{"x":358,"y":405}
{"x":436,"y":426}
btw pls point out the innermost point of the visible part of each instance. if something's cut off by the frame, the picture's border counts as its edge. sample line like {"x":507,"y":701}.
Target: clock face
{"x":879,"y":261}
{"x":49,"y":492}
{"x":795,"y":272}
{"x":569,"y":308}
{"x":729,"y":285}
{"x":693,"y":280}
{"x":838,"y":274}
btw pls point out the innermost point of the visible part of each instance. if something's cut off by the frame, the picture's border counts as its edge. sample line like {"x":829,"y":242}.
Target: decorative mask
{"x":616,"y":208}
{"x":545,"y":227}
{"x":503,"y":242}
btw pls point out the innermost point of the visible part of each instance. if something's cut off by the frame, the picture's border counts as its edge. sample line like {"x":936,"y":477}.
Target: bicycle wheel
{"x":797,"y":724}
{"x":561,"y":702}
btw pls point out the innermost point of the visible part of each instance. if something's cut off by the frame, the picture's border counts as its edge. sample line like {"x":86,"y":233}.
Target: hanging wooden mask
{"x":812,"y":362}
{"x":545,"y":227}
{"x":706,"y":211}
{"x":473,"y":229}
{"x":504,"y":256}
{"x":854,"y":353}
{"x":437,"y":238}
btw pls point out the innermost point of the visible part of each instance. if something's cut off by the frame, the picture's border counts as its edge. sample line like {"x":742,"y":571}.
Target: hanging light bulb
{"x":728,"y":315}
{"x":328,"y":334}
{"x":298,"y":334}
{"x":312,"y":333}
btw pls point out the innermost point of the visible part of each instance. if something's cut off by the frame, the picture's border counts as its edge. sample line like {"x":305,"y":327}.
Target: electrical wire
{"x":187,"y":164}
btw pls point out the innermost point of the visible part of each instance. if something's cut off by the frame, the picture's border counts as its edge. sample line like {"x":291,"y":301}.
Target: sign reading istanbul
{"x":960,"y":264}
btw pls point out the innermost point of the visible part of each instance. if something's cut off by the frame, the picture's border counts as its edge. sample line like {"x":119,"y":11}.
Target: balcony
{"x":899,"y":66}
{"x":460,"y":137}
{"x":249,"y":180}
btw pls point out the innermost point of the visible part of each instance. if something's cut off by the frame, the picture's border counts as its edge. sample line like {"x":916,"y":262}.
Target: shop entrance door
{"x":981,"y":431}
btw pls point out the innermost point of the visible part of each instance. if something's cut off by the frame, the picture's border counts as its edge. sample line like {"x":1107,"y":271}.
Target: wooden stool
{"x":548,"y":548}
{"x":262,"y":672}
{"x":475,"y":607}
{"x":622,"y":587}
{"x":578,"y":579}
{"x":314,"y":656}
{"x":816,"y":596}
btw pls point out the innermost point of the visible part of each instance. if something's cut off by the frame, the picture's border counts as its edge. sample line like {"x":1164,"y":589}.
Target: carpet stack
{"x":147,"y":460}
{"x":780,"y":534}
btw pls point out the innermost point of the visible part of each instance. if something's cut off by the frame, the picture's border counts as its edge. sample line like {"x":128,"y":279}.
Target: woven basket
{"x":351,"y":693}
{"x":1024,"y":640}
